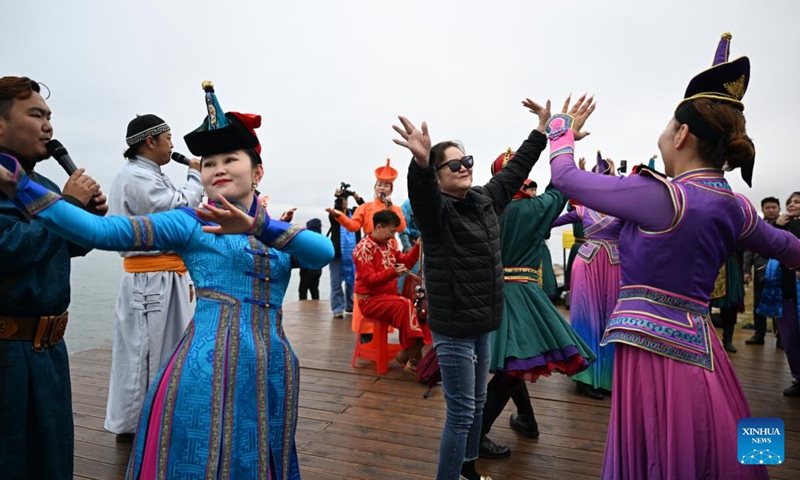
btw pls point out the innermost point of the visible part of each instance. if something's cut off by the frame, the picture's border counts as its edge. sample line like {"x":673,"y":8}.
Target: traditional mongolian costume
{"x":376,"y":291}
{"x":225,"y":403}
{"x":677,"y":400}
{"x":362,"y":220}
{"x":154,"y":306}
{"x":595,"y":281}
{"x":37,"y":435}
{"x":533,"y":338}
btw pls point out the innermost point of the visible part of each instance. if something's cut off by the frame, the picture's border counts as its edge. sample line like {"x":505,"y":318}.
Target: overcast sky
{"x":329,"y":78}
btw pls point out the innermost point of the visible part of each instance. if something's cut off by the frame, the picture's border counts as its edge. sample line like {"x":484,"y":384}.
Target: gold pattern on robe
{"x":720,"y":285}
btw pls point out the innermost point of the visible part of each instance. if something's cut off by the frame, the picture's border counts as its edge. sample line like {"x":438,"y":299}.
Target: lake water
{"x":95,"y":284}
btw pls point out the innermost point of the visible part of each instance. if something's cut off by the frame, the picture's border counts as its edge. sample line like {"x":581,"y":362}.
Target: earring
{"x":254,"y":186}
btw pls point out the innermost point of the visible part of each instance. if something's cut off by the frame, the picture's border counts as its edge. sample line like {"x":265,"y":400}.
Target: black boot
{"x":492,"y":451}
{"x":727,"y":338}
{"x":524,"y":421}
{"x":499,"y":390}
{"x":728,"y":316}
{"x":468,"y":472}
{"x":793,"y":391}
{"x":589,"y":391}
{"x":756,"y":339}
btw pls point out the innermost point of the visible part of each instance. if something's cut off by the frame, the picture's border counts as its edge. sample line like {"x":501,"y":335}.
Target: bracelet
{"x":558,"y":125}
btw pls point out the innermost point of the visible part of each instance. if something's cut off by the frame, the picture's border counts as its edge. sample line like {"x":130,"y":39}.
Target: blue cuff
{"x":31,"y":198}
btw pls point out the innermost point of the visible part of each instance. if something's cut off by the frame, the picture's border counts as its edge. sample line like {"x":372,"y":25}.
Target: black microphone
{"x":383,"y":199}
{"x":180,"y":158}
{"x":59,"y":152}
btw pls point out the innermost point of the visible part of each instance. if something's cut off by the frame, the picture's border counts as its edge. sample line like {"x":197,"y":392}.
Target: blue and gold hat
{"x":223,"y":132}
{"x":724,"y":81}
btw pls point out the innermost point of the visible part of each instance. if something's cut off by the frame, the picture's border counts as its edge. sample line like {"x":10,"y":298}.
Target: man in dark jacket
{"x":341,"y":268}
{"x":463,"y":273}
{"x":754,"y":265}
{"x":309,"y":277}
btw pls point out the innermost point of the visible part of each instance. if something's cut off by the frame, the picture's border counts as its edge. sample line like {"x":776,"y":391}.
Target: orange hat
{"x":386,"y":174}
{"x":501,"y":161}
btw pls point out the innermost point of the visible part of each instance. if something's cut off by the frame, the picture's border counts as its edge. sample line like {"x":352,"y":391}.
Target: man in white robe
{"x":154,"y":304}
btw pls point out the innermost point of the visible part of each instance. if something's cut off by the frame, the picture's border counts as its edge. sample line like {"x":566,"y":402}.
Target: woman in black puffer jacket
{"x":463,"y":273}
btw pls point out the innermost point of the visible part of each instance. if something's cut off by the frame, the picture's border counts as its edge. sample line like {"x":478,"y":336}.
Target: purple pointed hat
{"x":602,"y":165}
{"x":724,"y":81}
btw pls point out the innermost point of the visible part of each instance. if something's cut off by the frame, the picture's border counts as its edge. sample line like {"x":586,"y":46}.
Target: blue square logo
{"x":761,"y":441}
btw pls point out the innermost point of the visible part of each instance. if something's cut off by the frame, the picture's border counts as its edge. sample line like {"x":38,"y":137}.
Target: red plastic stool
{"x":379,"y":350}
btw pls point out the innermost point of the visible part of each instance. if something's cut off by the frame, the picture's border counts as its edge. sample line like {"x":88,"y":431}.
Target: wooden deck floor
{"x":356,"y":424}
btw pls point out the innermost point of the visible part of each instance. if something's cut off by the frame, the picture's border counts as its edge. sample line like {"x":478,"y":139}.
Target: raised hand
{"x":288,"y":215}
{"x":582,"y":163}
{"x":418,"y":142}
{"x":612,"y":167}
{"x":783,"y":219}
{"x":580,"y":112}
{"x":334,"y":212}
{"x":229,"y":220}
{"x":543,"y":113}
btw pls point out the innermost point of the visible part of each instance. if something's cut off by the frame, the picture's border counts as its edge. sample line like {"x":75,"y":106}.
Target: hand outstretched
{"x":229,"y":220}
{"x":288,"y":215}
{"x":612,"y":169}
{"x":416,"y":141}
{"x":543,"y":113}
{"x":334,"y":212}
{"x":580,"y":112}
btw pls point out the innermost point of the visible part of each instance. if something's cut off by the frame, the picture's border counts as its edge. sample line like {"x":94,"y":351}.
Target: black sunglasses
{"x":455,"y":165}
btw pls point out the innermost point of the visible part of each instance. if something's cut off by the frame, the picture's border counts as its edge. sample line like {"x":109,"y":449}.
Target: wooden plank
{"x":356,"y":424}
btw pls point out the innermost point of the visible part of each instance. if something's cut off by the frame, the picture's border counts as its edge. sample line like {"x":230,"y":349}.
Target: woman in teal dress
{"x":225,"y":403}
{"x":534,"y":339}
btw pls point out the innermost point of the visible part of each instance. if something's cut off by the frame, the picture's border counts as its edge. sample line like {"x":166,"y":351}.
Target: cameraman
{"x":341,"y":268}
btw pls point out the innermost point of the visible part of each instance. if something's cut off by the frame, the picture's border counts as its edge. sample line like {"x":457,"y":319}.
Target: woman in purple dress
{"x":677,"y":400}
{"x":595,"y":287}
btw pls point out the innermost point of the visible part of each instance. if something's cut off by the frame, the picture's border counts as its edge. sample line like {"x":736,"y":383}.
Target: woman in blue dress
{"x":225,"y":403}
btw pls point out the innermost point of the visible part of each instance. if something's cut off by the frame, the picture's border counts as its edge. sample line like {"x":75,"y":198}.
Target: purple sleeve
{"x":766,"y":240}
{"x":567,"y":218}
{"x":641,"y":199}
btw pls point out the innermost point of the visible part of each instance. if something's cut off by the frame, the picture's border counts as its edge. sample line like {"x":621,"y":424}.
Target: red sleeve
{"x":371,"y":274}
{"x":410,"y":258}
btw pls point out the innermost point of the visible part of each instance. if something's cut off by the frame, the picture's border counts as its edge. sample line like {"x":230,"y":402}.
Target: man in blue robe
{"x":36,"y":429}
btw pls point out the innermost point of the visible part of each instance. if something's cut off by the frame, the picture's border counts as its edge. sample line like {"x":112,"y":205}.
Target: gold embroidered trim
{"x":736,"y":87}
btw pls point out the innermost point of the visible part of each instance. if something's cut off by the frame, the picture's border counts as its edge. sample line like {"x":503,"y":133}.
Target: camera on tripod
{"x":344,"y":189}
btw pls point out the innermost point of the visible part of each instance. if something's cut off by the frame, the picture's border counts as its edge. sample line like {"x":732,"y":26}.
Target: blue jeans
{"x":340,"y":301}
{"x":464,"y":365}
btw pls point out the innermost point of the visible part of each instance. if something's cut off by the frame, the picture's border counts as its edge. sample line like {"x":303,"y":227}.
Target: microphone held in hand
{"x":386,"y":202}
{"x":59,"y":152}
{"x":180,"y":158}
